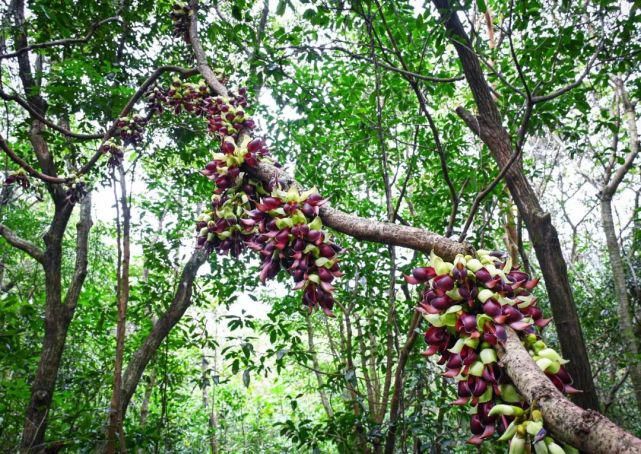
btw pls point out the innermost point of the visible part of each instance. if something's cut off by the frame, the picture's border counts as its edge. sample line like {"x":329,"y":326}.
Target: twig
{"x":63,"y":42}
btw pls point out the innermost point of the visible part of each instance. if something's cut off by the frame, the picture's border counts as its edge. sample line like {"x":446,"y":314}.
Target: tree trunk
{"x":319,"y":378}
{"x":412,"y":336}
{"x":116,"y":417}
{"x":142,"y":356}
{"x":42,"y":388}
{"x":58,"y":315}
{"x":488,"y":126}
{"x":626,"y":324}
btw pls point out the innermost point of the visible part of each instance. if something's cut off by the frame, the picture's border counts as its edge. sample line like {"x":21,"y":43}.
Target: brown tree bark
{"x":488,"y":126}
{"x":58,"y":314}
{"x":586,"y":430}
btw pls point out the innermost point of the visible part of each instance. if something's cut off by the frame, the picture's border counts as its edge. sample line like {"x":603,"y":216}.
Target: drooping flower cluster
{"x":282,"y":225}
{"x":130,"y":129}
{"x":226,"y":116}
{"x":20,"y":178}
{"x":76,"y":191}
{"x":469,"y":304}
{"x":115,"y":152}
{"x":180,"y":17}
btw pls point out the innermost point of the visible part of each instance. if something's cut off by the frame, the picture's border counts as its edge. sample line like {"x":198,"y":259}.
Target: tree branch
{"x":392,"y":68}
{"x":35,"y":114}
{"x":82,"y":251}
{"x":62,"y":42}
{"x":586,"y":430}
{"x":199,"y":53}
{"x":369,"y":229}
{"x":160,"y":330}
{"x":610,"y":189}
{"x":576,"y":83}
{"x":14,"y":240}
{"x":29,"y":169}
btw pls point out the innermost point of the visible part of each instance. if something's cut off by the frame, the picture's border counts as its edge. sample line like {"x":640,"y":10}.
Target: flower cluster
{"x":180,"y":17}
{"x":287,"y":239}
{"x":469,"y":304}
{"x":130,"y":129}
{"x":115,"y":152}
{"x":75,"y":192}
{"x":226,"y":116}
{"x":282,"y":225}
{"x":225,"y":168}
{"x":20,"y":178}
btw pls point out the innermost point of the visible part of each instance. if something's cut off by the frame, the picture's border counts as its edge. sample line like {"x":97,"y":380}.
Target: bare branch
{"x":29,"y":169}
{"x":576,"y":83}
{"x":389,"y":67}
{"x":61,"y":42}
{"x":628,"y":108}
{"x":34,"y":113}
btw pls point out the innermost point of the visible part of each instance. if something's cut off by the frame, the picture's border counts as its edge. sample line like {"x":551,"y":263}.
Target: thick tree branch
{"x":473,"y":124}
{"x":14,"y":240}
{"x":369,"y":229}
{"x":586,"y":430}
{"x":199,"y":53}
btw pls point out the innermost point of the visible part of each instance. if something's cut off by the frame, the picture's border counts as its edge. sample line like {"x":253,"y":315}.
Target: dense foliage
{"x":357,"y":100}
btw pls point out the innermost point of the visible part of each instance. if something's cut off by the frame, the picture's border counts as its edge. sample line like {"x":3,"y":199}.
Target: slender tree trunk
{"x":116,"y":414}
{"x":319,"y":379}
{"x":626,"y":325}
{"x":160,"y":330}
{"x":395,"y":404}
{"x":144,"y":407}
{"x":361,"y":438}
